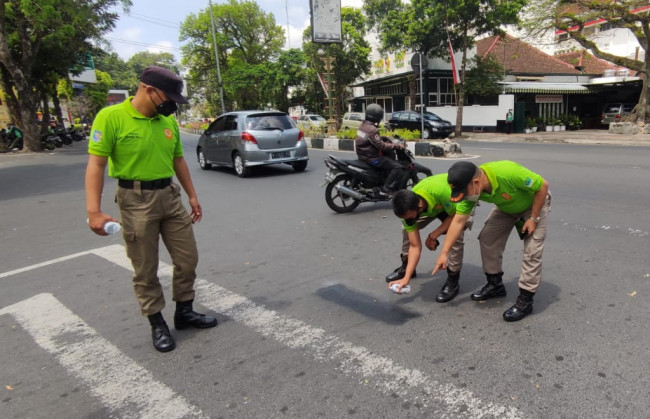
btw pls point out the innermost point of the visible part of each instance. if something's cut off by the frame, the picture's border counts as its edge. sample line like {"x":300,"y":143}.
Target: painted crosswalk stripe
{"x":111,"y":376}
{"x":353,"y":360}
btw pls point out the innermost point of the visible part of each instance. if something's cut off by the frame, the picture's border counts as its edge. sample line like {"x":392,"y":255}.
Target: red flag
{"x":453,"y":62}
{"x":323,"y":85}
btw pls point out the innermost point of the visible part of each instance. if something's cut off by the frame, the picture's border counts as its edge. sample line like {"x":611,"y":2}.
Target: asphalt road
{"x":307,"y":326}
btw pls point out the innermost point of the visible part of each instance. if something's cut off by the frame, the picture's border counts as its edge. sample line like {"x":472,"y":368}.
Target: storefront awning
{"x":572,"y":88}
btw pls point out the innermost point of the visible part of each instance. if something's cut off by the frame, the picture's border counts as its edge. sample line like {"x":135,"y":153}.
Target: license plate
{"x":280,"y":155}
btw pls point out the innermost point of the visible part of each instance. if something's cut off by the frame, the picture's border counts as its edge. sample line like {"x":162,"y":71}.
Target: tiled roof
{"x":591,"y":64}
{"x":519,"y":57}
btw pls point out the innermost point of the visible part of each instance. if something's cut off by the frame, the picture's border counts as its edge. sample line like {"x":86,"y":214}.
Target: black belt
{"x":145,"y":184}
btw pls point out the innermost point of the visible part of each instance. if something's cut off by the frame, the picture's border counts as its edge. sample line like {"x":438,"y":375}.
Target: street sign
{"x":417,"y":60}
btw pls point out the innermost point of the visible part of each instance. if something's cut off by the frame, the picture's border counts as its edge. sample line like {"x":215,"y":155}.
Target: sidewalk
{"x":583,"y":136}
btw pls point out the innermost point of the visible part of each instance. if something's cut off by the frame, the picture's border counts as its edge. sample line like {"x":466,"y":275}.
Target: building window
{"x":605,"y":27}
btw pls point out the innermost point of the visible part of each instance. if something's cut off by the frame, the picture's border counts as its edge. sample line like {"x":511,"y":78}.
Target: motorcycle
{"x":351,"y":182}
{"x":76,"y":134}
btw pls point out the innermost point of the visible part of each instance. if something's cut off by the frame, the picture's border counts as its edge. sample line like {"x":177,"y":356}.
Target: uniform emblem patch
{"x":97,"y":136}
{"x":168,"y":133}
{"x":506,"y":196}
{"x":528,"y":182}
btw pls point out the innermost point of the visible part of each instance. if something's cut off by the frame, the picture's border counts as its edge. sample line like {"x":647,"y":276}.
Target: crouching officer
{"x":427,"y":201}
{"x":522,"y":199}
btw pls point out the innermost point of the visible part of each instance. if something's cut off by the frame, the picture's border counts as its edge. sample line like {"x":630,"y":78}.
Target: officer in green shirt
{"x":522,"y":199}
{"x":427,"y":201}
{"x":140,"y":142}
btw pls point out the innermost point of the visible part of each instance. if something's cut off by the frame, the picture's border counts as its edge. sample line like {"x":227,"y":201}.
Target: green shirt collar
{"x":128,"y":106}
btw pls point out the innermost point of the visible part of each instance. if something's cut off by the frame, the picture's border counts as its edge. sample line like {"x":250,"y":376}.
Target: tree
{"x":572,"y":16}
{"x":247,"y":39}
{"x":284,"y":84}
{"x":423,"y":26}
{"x":349,"y":58}
{"x":123,"y":75}
{"x":483,"y":76}
{"x":41,"y":38}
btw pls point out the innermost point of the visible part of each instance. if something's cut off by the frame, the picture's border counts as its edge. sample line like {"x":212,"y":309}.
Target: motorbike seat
{"x":360,"y":164}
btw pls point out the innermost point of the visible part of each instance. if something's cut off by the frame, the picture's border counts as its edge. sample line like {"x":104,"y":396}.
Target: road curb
{"x":441,"y":148}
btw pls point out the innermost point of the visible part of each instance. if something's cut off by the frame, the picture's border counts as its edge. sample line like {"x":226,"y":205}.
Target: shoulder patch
{"x":97,"y":136}
{"x":528,"y":182}
{"x":168,"y":133}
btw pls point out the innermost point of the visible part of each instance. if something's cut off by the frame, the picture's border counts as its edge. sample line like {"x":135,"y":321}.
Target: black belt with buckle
{"x":145,"y":184}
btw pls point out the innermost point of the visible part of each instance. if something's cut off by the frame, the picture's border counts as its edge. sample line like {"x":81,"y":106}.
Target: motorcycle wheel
{"x":338,"y":201}
{"x":416,"y":178}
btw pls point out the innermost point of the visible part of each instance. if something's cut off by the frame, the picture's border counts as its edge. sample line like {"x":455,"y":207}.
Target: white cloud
{"x":162,"y":46}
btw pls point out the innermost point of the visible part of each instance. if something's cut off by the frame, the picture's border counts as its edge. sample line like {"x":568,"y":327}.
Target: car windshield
{"x":432,"y":116}
{"x":268,"y":122}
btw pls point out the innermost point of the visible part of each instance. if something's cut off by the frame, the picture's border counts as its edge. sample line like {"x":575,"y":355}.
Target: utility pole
{"x":216,"y":57}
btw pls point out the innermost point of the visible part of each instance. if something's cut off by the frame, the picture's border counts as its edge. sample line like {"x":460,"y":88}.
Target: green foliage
{"x":349,"y":60}
{"x":531,"y":122}
{"x":248,"y":40}
{"x":407,"y":134}
{"x":347,"y":133}
{"x":483,"y":77}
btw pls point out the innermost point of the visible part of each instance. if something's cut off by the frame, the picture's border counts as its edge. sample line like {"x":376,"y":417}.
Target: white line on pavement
{"x":40,"y":265}
{"x":355,"y":361}
{"x":115,"y":379}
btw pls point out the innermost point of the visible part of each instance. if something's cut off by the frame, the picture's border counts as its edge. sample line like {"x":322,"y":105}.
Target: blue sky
{"x":153,"y":25}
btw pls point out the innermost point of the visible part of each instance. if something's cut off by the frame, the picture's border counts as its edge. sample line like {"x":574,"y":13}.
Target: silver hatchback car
{"x":245,"y":139}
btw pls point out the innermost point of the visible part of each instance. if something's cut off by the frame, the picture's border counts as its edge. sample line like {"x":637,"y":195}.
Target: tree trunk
{"x":28,"y":120}
{"x":458,"y":133}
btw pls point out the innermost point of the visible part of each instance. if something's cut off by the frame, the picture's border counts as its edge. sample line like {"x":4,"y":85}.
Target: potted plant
{"x":574,"y":122}
{"x":548,"y":123}
{"x":530,"y":124}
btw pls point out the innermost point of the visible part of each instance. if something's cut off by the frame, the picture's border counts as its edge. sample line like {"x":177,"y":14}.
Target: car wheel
{"x":337,"y":200}
{"x":299,"y":166}
{"x":427,"y":134}
{"x":240,"y":167}
{"x":203,"y":163}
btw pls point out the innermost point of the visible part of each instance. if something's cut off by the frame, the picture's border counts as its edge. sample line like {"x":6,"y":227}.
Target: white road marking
{"x":40,"y":265}
{"x":114,"y":378}
{"x":355,"y":361}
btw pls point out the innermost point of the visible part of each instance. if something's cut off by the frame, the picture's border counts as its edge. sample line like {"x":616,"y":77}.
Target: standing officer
{"x":521,"y":198}
{"x":140,"y":141}
{"x":370,"y":148}
{"x":428,"y":200}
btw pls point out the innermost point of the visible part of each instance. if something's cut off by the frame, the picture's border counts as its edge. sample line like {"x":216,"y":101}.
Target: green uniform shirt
{"x":513,"y":187}
{"x":435,"y":190}
{"x":137,"y":147}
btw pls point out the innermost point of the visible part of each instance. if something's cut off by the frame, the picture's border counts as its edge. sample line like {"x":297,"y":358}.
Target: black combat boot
{"x":522,"y":308}
{"x":494,"y":288}
{"x":450,"y":289}
{"x":399,"y":272}
{"x":162,"y":339}
{"x":185,"y":317}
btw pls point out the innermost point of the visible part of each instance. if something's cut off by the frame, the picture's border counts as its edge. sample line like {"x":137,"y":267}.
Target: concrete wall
{"x":484,"y":116}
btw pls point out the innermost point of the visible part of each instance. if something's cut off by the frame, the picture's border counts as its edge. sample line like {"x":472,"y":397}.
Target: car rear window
{"x":317,"y":118}
{"x":612,"y":108}
{"x":267,"y":122}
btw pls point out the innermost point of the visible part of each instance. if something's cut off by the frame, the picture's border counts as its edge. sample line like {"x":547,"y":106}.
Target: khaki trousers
{"x":147,"y":215}
{"x":495,"y":234}
{"x":455,"y":257}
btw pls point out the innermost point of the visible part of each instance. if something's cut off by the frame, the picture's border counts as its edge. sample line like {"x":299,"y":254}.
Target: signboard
{"x":116,"y":96}
{"x":326,"y":21}
{"x":88,"y":74}
{"x":548,"y":98}
{"x":416,"y":61}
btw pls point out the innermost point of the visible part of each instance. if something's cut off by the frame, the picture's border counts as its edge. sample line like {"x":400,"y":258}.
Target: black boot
{"x":522,"y":308}
{"x":450,"y":289}
{"x":400,"y":272}
{"x":185,"y":317}
{"x":162,"y":339}
{"x":494,"y":288}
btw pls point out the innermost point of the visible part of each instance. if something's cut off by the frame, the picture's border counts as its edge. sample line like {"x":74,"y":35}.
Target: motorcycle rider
{"x":371,"y":147}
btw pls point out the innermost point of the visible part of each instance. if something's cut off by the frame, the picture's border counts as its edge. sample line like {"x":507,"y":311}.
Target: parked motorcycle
{"x":76,"y":134}
{"x":63,"y":135}
{"x":351,"y":182}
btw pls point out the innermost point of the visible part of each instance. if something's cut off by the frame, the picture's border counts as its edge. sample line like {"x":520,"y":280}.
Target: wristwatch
{"x":536,"y":219}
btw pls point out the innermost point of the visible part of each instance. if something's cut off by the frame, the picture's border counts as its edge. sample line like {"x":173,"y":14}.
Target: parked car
{"x":612,"y":112}
{"x":434,"y":126}
{"x":313,"y":122}
{"x":352,"y":120}
{"x":246,"y":139}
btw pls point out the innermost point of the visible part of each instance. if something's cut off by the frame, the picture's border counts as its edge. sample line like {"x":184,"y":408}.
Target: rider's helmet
{"x":374,"y":113}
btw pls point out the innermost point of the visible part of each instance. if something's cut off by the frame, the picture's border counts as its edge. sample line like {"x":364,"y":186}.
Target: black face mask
{"x":167,"y":107}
